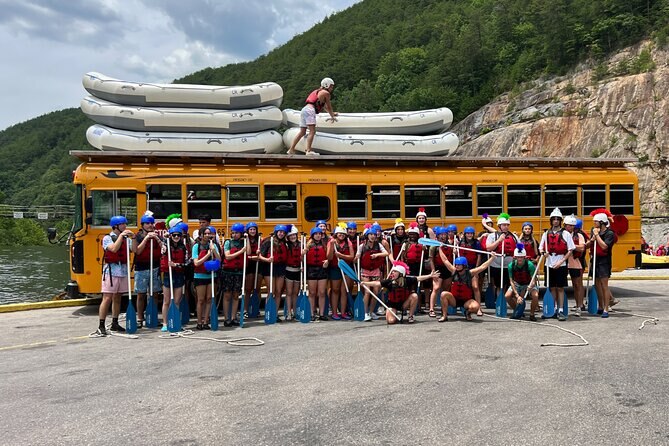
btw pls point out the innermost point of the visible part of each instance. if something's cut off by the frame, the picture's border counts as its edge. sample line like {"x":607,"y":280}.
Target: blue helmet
{"x":175,"y":230}
{"x":315,"y":230}
{"x":147,"y":219}
{"x":212,"y":265}
{"x":212,"y":229}
{"x":438,"y":230}
{"x":251,"y":224}
{"x":237,"y":227}
{"x":376,"y":227}
{"x":452,"y":228}
{"x":351,"y":225}
{"x":470,"y":230}
{"x":118,"y":220}
{"x":579,"y":224}
{"x":461,"y":261}
{"x":527,"y":223}
{"x":321,"y":222}
{"x":183,"y":227}
{"x":278,"y":228}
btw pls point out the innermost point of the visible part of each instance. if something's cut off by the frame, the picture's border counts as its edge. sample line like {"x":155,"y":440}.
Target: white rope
{"x":648,"y":319}
{"x":548,"y":344}
{"x":237,"y":342}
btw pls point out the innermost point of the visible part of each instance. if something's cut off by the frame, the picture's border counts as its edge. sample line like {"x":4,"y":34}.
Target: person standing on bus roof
{"x":316,"y":101}
{"x":559,"y":245}
{"x":142,"y":250}
{"x":114,"y":272}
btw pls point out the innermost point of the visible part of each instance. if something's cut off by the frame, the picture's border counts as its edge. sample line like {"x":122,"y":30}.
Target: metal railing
{"x":37,"y":212}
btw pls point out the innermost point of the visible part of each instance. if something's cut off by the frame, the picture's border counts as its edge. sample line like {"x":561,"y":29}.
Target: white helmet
{"x":601,"y":217}
{"x":570,"y":220}
{"x":293,"y":230}
{"x":556,"y":213}
{"x":339,"y":230}
{"x":326,"y":82}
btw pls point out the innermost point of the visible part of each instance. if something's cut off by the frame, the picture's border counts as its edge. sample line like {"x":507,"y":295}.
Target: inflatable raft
{"x":652,"y":262}
{"x":183,"y":95}
{"x":106,"y":138}
{"x":424,"y":122}
{"x":331,"y":144}
{"x":184,"y":120}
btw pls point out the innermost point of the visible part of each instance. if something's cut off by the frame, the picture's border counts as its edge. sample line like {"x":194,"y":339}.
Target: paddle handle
{"x":244,"y":267}
{"x":343,"y":278}
{"x":271,"y":265}
{"x":151,"y":269}
{"x":534,"y":276}
{"x":127,"y":267}
{"x":169,"y":267}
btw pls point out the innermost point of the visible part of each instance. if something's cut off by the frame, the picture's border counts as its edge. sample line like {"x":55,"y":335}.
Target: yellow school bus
{"x":298,"y":190}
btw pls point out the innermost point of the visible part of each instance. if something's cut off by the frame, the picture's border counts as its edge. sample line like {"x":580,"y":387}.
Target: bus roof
{"x":340,"y":160}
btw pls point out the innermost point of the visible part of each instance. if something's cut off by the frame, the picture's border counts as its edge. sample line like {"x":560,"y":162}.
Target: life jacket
{"x":508,"y":245}
{"x":448,"y":252}
{"x":354,"y":241}
{"x":238,"y":262}
{"x":342,"y":248}
{"x":144,"y":257}
{"x":200,"y":254}
{"x":605,"y":252}
{"x":521,"y":275}
{"x":280,"y":253}
{"x":397,"y":245}
{"x":316,"y":254}
{"x":413,"y":252}
{"x":471,"y":256}
{"x":294,"y":255}
{"x":556,"y":243}
{"x":179,"y":256}
{"x":398,"y":295}
{"x":578,"y":255}
{"x":366,"y":261}
{"x":313,"y":100}
{"x":461,"y":287}
{"x":530,"y":250}
{"x":120,"y":256}
{"x":424,"y":230}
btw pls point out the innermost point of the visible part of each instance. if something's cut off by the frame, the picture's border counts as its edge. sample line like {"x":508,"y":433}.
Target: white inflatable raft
{"x":183,"y":95}
{"x":106,"y":138}
{"x":184,"y":120}
{"x":330,"y":144}
{"x":424,"y":122}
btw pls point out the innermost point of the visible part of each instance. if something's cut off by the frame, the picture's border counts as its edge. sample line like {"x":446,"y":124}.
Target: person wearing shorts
{"x":234,"y":251}
{"x":558,"y":245}
{"x":317,"y":272}
{"x":176,"y":262}
{"x":293,"y":271}
{"x":204,"y":250}
{"x":461,"y":293}
{"x":338,"y":248}
{"x":575,"y":263}
{"x":443,"y":277}
{"x":114,"y":272}
{"x":147,"y":249}
{"x":502,"y":242}
{"x":316,"y":101}
{"x":523,"y":284}
{"x":273,"y":254}
{"x":371,"y":255}
{"x":601,"y":241}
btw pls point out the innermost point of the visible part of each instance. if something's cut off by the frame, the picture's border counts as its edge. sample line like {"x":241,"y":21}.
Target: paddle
{"x":593,"y":299}
{"x":270,"y":304}
{"x":349,"y":297}
{"x":241,"y":308}
{"x":151,"y":311}
{"x":520,"y":308}
{"x":549,"y":300}
{"x":305,"y":315}
{"x":254,"y":302}
{"x":490,"y":293}
{"x":130,"y":312}
{"x":430,"y":242}
{"x":213,"y":309}
{"x":359,"y":303}
{"x":350,"y":273}
{"x":173,"y":316}
{"x":500,"y":305}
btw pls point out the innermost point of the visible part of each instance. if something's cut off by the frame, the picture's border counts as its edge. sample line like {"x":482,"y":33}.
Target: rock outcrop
{"x":617,"y":116}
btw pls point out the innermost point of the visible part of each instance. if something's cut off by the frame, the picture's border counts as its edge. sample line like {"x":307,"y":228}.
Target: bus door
{"x":317,"y":204}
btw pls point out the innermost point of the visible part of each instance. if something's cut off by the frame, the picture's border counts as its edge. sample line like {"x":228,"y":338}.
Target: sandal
{"x":443,"y":318}
{"x":468,"y":315}
{"x":432,"y":313}
{"x":479,"y":313}
{"x":410,"y":320}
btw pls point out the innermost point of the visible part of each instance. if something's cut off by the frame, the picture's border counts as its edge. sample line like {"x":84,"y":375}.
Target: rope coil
{"x":548,"y":344}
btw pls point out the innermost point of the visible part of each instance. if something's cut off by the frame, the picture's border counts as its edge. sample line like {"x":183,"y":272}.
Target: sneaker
{"x":600,"y":311}
{"x":101,"y":332}
{"x":322,"y":318}
{"x":140,"y":324}
{"x":164,"y":329}
{"x":577,"y":312}
{"x":605,"y":314}
{"x":583,"y":308}
{"x":381,"y":311}
{"x":311,"y":153}
{"x":345,"y":316}
{"x":314,"y":318}
{"x":206,"y":327}
{"x":561,"y":316}
{"x":336,"y":317}
{"x":533,"y":318}
{"x":613,"y":302}
{"x":117,"y":328}
{"x":278,"y":319}
{"x":198,"y":327}
{"x":374,"y":315}
{"x":227,"y":324}
{"x":234,"y":323}
{"x":368,"y":317}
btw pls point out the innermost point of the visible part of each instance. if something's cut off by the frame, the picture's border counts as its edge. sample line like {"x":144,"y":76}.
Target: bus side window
{"x":204,"y":199}
{"x":594,"y":197}
{"x":281,"y":202}
{"x":458,"y":201}
{"x":352,"y":202}
{"x":107,"y":203}
{"x":427,"y":197}
{"x":385,"y":202}
{"x":524,"y":201}
{"x":243,"y":202}
{"x":163,"y":199}
{"x":562,"y":196}
{"x":621,"y":199}
{"x":489,"y":200}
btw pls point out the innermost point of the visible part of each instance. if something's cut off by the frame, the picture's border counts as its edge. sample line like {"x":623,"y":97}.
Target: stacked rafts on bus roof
{"x":182,"y":117}
{"x":399,"y":133}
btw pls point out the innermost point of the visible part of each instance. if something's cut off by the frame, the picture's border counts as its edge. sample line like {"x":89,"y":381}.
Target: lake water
{"x":33,"y":273}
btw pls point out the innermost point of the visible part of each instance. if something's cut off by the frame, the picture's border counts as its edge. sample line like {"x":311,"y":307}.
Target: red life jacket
{"x":120,"y":256}
{"x":316,"y":255}
{"x":178,"y":254}
{"x":461,"y":287}
{"x":366,"y":261}
{"x":354,"y":241}
{"x":200,"y":254}
{"x":342,"y":248}
{"x":294,"y":255}
{"x":397,"y":245}
{"x":398,"y":295}
{"x":586,"y":238}
{"x":605,"y":252}
{"x":413,"y":252}
{"x":238,"y":262}
{"x":471,"y":256}
{"x":508,"y":245}
{"x":313,"y":100}
{"x":556,"y":243}
{"x":144,"y":257}
{"x":576,"y":254}
{"x":529,"y":248}
{"x":521,"y":275}
{"x":280,"y":253}
{"x":448,"y":252}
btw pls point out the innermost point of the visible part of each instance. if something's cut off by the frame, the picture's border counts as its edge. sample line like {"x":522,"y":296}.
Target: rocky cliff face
{"x":597,"y":111}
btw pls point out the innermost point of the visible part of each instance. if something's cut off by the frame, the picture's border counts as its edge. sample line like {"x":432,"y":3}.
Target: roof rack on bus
{"x":360,"y":160}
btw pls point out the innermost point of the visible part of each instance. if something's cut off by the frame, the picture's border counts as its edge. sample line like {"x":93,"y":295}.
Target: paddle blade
{"x":500,"y":305}
{"x":270,"y":310}
{"x":305,"y":315}
{"x":549,"y":304}
{"x":173,"y":318}
{"x":213,"y":316}
{"x":428,"y":242}
{"x":151,"y":313}
{"x":490,"y":297}
{"x":593,"y":301}
{"x":254,"y":305}
{"x":130,"y":318}
{"x":359,"y":307}
{"x":241,"y":313}
{"x":346,"y":269}
{"x":519,"y":311}
{"x":184,"y":308}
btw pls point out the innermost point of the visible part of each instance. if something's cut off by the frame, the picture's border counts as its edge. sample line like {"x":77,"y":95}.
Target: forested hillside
{"x":383,"y":55}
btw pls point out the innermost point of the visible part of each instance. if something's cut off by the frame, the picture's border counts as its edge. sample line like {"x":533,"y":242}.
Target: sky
{"x":48,"y":45}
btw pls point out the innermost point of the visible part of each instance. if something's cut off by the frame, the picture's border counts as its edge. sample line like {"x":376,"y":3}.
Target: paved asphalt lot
{"x":484,"y":382}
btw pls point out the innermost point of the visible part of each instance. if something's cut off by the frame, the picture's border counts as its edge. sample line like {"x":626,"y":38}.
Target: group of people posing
{"x":413,"y":276}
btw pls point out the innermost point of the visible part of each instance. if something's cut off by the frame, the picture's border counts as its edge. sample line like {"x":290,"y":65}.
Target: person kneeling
{"x":401,"y":290}
{"x":462,"y":291}
{"x":523,"y":278}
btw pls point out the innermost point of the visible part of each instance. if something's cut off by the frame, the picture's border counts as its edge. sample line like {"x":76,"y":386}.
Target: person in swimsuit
{"x":316,"y":101}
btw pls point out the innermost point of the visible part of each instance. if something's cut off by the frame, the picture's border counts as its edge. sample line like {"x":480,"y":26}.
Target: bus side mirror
{"x":88,"y":205}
